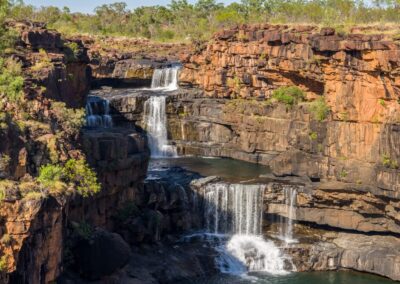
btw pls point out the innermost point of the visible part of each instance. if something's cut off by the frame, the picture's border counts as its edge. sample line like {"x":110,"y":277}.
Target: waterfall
{"x":236,"y":210}
{"x":286,"y":233}
{"x":155,"y":120}
{"x":165,"y":78}
{"x":98,"y":112}
{"x":233,"y":208}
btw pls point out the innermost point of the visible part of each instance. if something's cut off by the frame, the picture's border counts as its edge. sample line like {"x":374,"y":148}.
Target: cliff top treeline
{"x":181,"y":20}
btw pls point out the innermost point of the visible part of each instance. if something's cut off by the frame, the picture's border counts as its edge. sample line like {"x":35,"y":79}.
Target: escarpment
{"x":353,"y":152}
{"x":349,"y":156}
{"x":334,"y":149}
{"x":49,"y":226}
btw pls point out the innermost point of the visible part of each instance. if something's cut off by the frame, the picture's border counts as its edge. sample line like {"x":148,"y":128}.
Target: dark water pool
{"x":228,"y":169}
{"x":329,"y":277}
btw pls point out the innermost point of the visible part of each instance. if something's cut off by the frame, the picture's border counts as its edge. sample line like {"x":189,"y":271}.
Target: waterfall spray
{"x":233,"y":213}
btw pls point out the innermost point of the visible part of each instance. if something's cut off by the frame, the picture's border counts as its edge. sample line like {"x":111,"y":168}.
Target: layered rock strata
{"x":356,"y":185}
{"x":128,"y":62}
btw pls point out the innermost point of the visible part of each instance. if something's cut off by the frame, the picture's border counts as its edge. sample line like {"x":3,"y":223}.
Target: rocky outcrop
{"x":60,"y":65}
{"x":36,"y":226}
{"x":128,"y":62}
{"x":357,"y":76}
{"x":372,"y":254}
{"x":251,"y":61}
{"x":354,"y":191}
{"x":33,"y":229}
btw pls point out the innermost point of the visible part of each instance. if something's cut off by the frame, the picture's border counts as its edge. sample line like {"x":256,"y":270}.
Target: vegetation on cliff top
{"x":49,"y":129}
{"x":181,"y":20}
{"x":75,"y":173}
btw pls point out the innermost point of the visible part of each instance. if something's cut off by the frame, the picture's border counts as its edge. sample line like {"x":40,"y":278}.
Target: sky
{"x":87,"y":6}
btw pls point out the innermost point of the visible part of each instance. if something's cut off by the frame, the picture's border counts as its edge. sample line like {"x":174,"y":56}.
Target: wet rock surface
{"x":334,"y":251}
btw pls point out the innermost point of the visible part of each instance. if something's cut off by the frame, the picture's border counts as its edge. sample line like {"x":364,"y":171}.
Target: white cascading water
{"x":155,"y":117}
{"x":234,"y":213}
{"x":165,"y":78}
{"x":98,"y":112}
{"x":155,"y":120}
{"x":286,"y":229}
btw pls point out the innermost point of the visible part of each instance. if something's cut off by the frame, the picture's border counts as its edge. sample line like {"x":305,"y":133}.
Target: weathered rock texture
{"x":128,"y":62}
{"x":357,"y":144}
{"x":372,"y":254}
{"x":357,"y":190}
{"x":37,"y":228}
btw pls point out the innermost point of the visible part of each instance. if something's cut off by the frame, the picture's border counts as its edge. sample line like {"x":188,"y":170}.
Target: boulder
{"x":101,"y":255}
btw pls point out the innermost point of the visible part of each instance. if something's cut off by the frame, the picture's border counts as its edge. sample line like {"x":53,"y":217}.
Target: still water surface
{"x":240,"y":171}
{"x":329,"y":277}
{"x":228,"y":169}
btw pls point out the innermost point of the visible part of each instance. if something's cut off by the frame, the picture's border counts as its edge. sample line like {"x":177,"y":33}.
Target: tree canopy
{"x":182,"y":20}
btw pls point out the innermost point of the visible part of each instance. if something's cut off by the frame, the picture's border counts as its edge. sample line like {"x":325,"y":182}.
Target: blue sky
{"x":87,"y":6}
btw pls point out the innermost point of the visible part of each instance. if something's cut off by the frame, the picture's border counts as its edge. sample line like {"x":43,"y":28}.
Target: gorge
{"x":207,"y":175}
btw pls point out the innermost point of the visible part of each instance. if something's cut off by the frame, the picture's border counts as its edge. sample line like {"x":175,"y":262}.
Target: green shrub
{"x":289,"y":95}
{"x":319,"y":109}
{"x":69,"y":120}
{"x":313,"y":135}
{"x":4,"y":162}
{"x":43,"y":61}
{"x":389,"y":163}
{"x":6,"y":239}
{"x":34,"y":195}
{"x":3,"y":263}
{"x":50,"y":174}
{"x":11,"y":81}
{"x":343,"y":173}
{"x":72,"y":50}
{"x":75,"y":173}
{"x":82,"y":176}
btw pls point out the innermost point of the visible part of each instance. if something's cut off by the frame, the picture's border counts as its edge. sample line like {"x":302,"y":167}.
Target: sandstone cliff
{"x":350,"y":157}
{"x":357,"y":144}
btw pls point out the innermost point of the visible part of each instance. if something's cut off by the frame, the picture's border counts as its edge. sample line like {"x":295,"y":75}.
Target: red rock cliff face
{"x":357,"y":145}
{"x":357,"y":74}
{"x":354,"y":72}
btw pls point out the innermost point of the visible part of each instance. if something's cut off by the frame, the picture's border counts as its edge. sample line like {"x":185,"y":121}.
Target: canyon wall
{"x":350,"y":158}
{"x":354,"y":152}
{"x":46,"y":233}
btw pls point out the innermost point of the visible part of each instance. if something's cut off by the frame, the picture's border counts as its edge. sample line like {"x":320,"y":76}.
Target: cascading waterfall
{"x":165,"y":78}
{"x":286,"y":232}
{"x":98,"y":112}
{"x":233,"y":213}
{"x":155,"y":120}
{"x":155,"y":117}
{"x":233,"y":208}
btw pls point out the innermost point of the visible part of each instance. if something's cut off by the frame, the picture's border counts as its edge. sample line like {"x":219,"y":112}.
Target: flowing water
{"x":165,"y":78}
{"x":234,"y":211}
{"x":98,"y":112}
{"x":233,"y":208}
{"x":155,"y":116}
{"x":286,"y":228}
{"x":155,"y":120}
